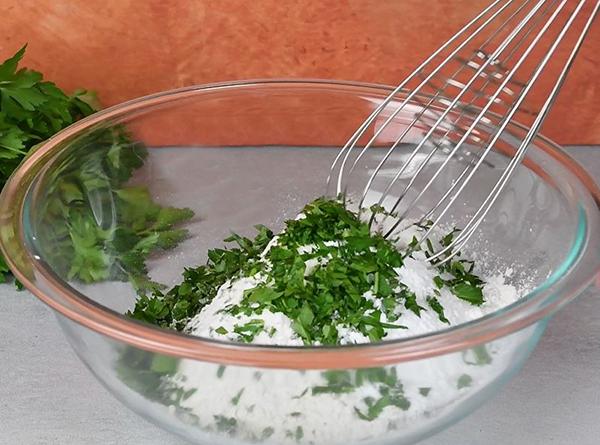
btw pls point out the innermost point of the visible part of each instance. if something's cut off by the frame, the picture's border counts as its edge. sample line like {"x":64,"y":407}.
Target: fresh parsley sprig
{"x":93,"y":226}
{"x":31,"y":110}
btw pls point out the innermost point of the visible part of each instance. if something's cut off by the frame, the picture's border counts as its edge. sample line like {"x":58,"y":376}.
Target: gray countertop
{"x":47,"y":396}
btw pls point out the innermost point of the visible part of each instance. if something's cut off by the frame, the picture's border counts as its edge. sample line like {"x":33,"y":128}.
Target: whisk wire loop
{"x":509,"y":50}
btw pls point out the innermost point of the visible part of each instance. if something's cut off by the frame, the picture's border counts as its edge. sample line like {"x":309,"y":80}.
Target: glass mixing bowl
{"x":248,"y":153}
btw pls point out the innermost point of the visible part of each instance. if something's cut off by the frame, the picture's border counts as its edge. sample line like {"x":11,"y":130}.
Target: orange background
{"x":127,"y":48}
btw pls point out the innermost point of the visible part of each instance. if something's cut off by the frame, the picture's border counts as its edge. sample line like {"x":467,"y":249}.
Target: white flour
{"x":212,"y":317}
{"x":279,"y":403}
{"x":286,"y":406}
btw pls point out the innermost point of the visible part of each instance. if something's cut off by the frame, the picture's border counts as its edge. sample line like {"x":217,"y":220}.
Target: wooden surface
{"x":128,"y":48}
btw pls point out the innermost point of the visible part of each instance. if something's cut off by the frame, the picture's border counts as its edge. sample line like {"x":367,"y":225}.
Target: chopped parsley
{"x":266,"y":433}
{"x":248,"y":331}
{"x":174,"y":308}
{"x":227,"y":425}
{"x":477,"y":356}
{"x":237,"y":397}
{"x":296,"y":434}
{"x":385,"y":380}
{"x":424,"y":391}
{"x":327,"y":270}
{"x":464,"y":381}
{"x":438,"y":308}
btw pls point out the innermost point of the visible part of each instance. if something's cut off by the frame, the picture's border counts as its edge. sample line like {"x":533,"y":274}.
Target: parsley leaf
{"x":438,"y":308}
{"x":464,"y":381}
{"x":468,"y":292}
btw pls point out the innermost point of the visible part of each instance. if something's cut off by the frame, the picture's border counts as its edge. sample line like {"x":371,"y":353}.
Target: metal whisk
{"x":467,"y":92}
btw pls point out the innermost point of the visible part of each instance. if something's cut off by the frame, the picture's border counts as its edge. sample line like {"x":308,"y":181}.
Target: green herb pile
{"x":349,"y":261}
{"x":93,"y":226}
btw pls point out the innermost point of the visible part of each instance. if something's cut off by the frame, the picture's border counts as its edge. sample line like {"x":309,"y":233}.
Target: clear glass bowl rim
{"x":535,"y":306}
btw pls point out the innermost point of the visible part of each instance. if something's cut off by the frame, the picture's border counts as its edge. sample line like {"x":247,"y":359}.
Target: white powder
{"x":283,"y":406}
{"x":213,"y":317}
{"x":282,"y":402}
